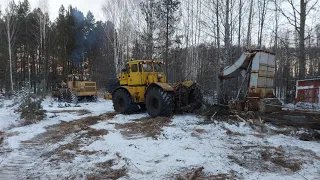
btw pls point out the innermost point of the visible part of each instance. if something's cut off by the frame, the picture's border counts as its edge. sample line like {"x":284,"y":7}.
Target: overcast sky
{"x":83,"y":5}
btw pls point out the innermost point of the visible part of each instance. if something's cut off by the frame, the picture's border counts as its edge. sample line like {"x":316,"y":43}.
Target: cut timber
{"x":195,"y":173}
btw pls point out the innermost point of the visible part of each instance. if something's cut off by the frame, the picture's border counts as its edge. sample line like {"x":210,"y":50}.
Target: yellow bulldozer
{"x":143,"y":85}
{"x":77,"y":87}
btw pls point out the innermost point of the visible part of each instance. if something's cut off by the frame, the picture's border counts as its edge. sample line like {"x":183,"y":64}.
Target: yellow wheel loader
{"x":77,"y":87}
{"x":143,"y":85}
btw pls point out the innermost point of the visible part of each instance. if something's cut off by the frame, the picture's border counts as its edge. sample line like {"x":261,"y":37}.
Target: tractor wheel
{"x":159,"y":102}
{"x":142,"y":107}
{"x":73,"y":98}
{"x":61,"y":96}
{"x":94,"y":98}
{"x":122,"y":102}
{"x":91,"y":98}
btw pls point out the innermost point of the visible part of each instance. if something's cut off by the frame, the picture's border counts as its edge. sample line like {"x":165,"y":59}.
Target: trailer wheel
{"x":159,"y":102}
{"x":122,"y":102}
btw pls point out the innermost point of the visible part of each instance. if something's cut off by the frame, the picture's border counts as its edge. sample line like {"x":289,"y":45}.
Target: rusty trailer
{"x":308,"y":91}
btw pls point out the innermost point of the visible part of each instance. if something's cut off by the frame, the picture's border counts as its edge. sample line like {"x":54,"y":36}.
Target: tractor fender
{"x":120,"y":87}
{"x":188,"y":83}
{"x":163,"y":86}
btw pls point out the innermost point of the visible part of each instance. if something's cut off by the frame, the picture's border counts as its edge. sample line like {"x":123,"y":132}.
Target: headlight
{"x":160,"y":75}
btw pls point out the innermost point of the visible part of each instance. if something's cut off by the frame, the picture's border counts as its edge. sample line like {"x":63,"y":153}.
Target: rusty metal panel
{"x":270,"y":72}
{"x":263,"y":70}
{"x":264,"y":59}
{"x":270,"y":82}
{"x":262,"y":75}
{"x":262,"y":82}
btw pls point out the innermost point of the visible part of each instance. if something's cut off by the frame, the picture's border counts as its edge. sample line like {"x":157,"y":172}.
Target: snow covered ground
{"x":92,"y":141}
{"x":8,"y":118}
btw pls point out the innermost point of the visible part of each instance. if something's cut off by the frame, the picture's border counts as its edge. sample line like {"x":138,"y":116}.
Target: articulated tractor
{"x":143,"y":85}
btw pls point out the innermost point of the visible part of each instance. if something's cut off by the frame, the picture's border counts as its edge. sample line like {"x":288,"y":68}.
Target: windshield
{"x":147,"y":67}
{"x":158,"y":67}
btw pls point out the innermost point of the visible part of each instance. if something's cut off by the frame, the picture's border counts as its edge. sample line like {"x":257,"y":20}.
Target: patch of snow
{"x":290,"y":106}
{"x":28,"y":132}
{"x":304,"y":87}
{"x":96,"y":108}
{"x":311,"y":106}
{"x":186,"y":143}
{"x":8,"y":118}
{"x":122,"y":119}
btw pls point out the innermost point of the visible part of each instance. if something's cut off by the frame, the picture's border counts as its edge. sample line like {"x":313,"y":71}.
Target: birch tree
{"x":11,"y":31}
{"x":148,"y":10}
{"x":248,"y":44}
{"x":227,"y":33}
{"x":241,"y":3}
{"x":262,"y":6}
{"x":120,"y":14}
{"x":42,"y":20}
{"x":297,"y":17}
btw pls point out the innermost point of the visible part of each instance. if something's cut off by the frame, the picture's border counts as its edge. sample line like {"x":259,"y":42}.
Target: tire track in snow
{"x":20,"y":163}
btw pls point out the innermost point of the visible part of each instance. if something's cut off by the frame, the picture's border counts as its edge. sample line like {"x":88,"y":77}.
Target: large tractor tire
{"x":122,"y":102}
{"x":66,"y":95}
{"x":159,"y":102}
{"x":94,"y":98}
{"x":73,"y":98}
{"x":91,"y":98}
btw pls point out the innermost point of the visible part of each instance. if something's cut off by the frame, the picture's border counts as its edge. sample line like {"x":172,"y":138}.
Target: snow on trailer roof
{"x":314,"y":79}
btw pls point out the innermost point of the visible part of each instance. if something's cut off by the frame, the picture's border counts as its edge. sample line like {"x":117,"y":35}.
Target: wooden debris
{"x":195,"y":173}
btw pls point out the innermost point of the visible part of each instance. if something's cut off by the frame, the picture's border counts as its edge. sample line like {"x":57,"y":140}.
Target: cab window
{"x":147,"y":67}
{"x":134,"y":67}
{"x":158,"y":67}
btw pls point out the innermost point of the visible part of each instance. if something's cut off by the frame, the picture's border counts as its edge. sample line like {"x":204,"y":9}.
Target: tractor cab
{"x":142,"y":72}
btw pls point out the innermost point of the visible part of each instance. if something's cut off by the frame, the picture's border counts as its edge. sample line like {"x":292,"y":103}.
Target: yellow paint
{"x":81,"y":87}
{"x":107,"y":96}
{"x":139,"y":74}
{"x":187,"y":83}
{"x":137,"y":93}
{"x":165,"y":86}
